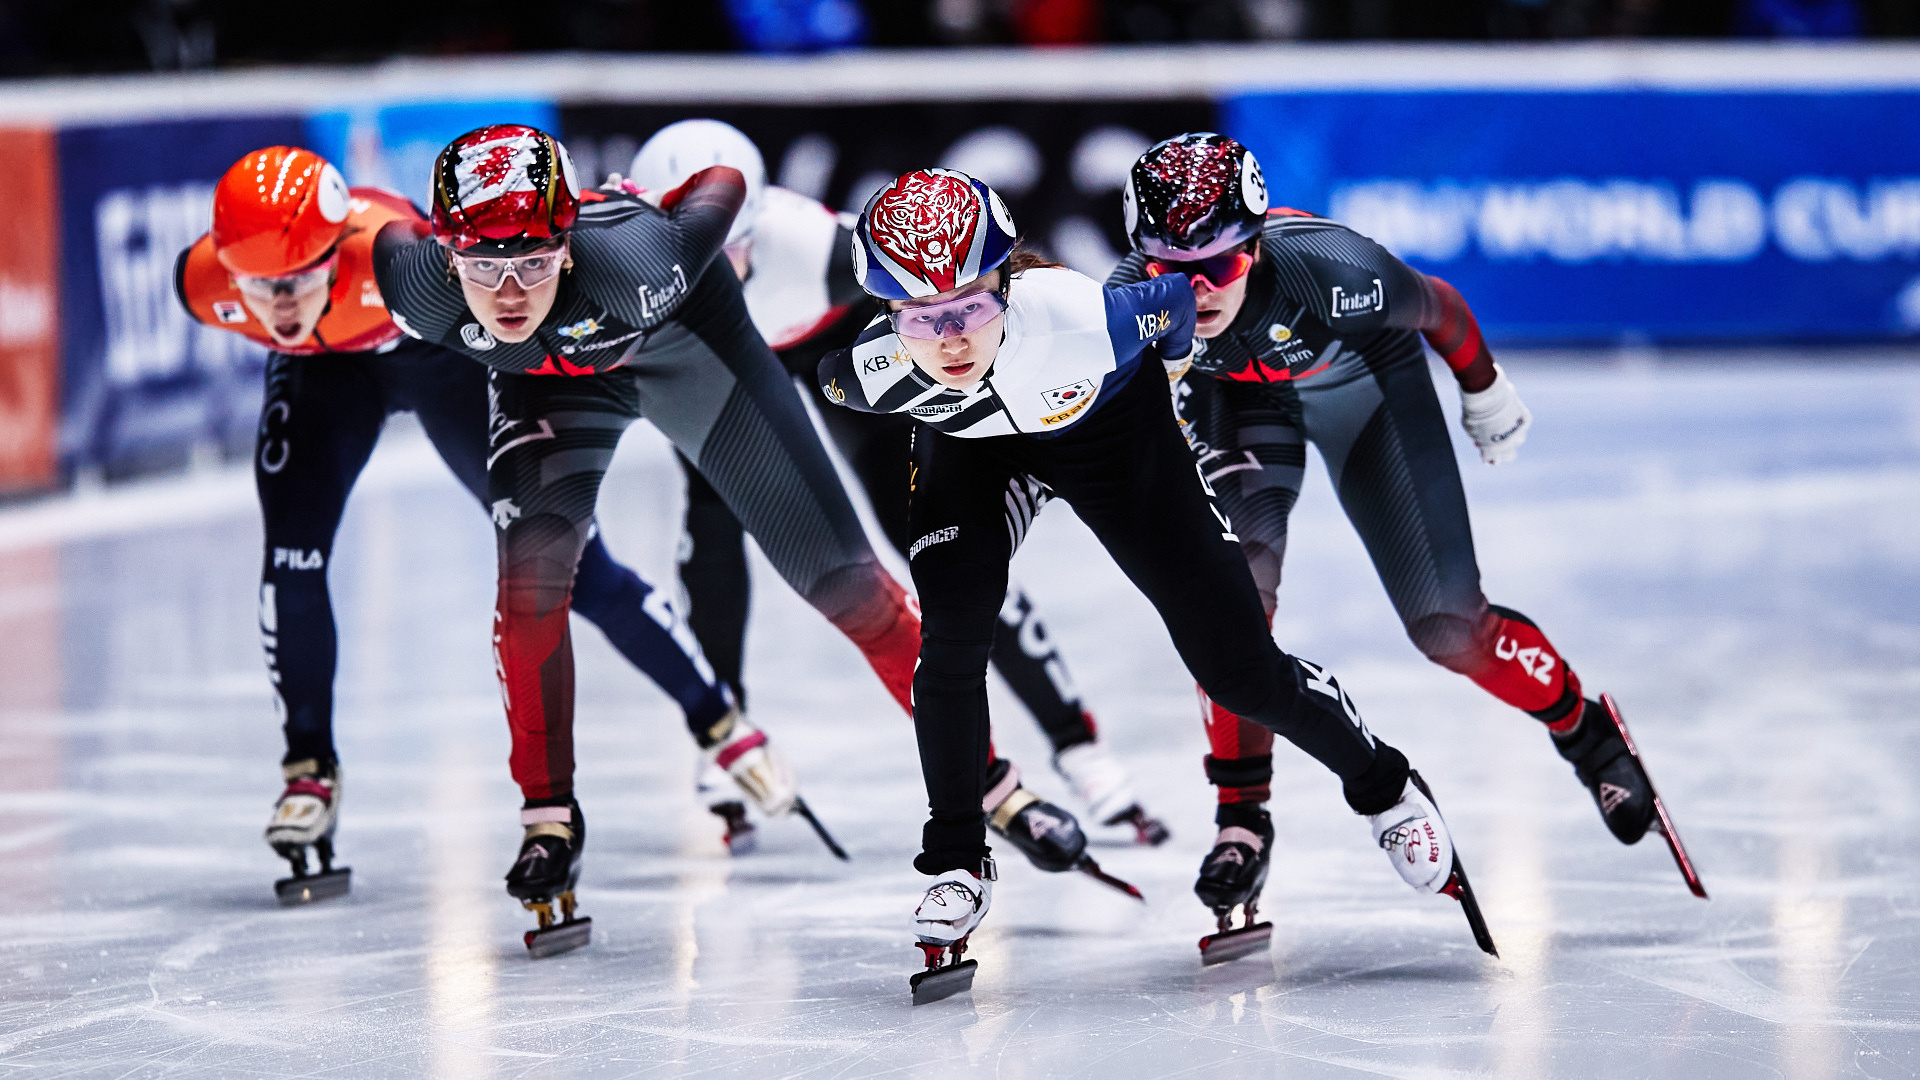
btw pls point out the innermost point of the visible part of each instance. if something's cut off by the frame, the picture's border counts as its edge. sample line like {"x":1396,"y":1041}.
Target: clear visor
{"x":304,"y":283}
{"x":961,"y":315}
{"x":529,"y":270}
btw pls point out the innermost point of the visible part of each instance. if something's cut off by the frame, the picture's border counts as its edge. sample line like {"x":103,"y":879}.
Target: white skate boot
{"x":744,"y":752}
{"x":305,"y":816}
{"x":1101,"y":782}
{"x":945,"y":917}
{"x":1416,"y":840}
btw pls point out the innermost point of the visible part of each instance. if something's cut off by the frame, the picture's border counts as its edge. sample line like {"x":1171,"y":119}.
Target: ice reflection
{"x":30,"y":729}
{"x":461,"y":958}
{"x":1809,"y":925}
{"x":1518,"y":900}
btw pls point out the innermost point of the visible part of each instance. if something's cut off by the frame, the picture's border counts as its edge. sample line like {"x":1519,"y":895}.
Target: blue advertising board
{"x":1601,"y":216}
{"x":143,"y":382}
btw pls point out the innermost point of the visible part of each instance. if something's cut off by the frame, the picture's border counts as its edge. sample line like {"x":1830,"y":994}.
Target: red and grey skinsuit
{"x":647,"y":323}
{"x":1327,"y":350}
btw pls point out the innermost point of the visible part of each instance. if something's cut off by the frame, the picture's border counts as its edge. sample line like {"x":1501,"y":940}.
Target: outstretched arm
{"x":1490,"y":407}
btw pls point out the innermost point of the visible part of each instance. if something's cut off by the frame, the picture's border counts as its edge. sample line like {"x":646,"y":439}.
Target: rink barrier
{"x":1596,"y":192}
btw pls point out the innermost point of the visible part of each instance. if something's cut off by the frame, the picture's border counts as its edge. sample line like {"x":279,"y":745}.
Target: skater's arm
{"x":637,"y":261}
{"x":1455,"y":334}
{"x":415,"y":281}
{"x":882,"y":358}
{"x":1157,"y":312}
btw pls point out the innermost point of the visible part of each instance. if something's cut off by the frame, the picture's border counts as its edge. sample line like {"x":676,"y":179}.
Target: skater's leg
{"x":321,"y":418}
{"x":713,"y":572}
{"x":640,"y":622}
{"x":553,"y":439}
{"x":712,"y":386}
{"x":960,"y":571}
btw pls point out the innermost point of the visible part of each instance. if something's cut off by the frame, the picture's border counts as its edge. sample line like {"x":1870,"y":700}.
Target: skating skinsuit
{"x":1064,"y":411}
{"x":326,"y":400}
{"x":805,"y":301}
{"x":1327,"y":349}
{"x":647,"y":323}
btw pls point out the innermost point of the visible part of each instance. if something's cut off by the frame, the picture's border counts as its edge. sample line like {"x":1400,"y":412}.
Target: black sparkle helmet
{"x":1194,"y":196}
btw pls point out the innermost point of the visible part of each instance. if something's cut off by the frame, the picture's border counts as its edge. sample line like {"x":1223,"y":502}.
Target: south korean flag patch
{"x":1061,"y":397}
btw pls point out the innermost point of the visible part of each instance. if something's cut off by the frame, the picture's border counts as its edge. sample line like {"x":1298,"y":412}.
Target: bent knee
{"x":1452,"y":641}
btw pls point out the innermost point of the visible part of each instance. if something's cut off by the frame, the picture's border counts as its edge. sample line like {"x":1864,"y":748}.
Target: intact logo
{"x":583,"y":329}
{"x":658,"y":303}
{"x":938,"y":536}
{"x":298,"y":559}
{"x":1152,"y":326}
{"x":1348,"y":304}
{"x":1062,"y":396}
{"x":230,"y":311}
{"x":476,"y":337}
{"x":1611,"y":796}
{"x":1533,"y":660}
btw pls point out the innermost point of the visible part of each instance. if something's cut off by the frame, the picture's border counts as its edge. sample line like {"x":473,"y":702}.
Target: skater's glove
{"x":763,"y":774}
{"x":1177,"y":367}
{"x":1496,"y":418}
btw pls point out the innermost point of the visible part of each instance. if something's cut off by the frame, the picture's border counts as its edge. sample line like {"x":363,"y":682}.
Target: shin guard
{"x":1518,"y":665}
{"x":1240,"y":762}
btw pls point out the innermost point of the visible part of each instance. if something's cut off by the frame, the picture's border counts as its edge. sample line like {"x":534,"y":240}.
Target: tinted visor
{"x":961,"y":315}
{"x":1220,"y":271}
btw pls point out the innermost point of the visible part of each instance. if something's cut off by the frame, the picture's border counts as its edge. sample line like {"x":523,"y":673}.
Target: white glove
{"x":1496,"y":418}
{"x":744,"y":752}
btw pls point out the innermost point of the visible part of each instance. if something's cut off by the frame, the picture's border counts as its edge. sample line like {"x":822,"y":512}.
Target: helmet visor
{"x":1219,"y":271}
{"x":297,"y":285}
{"x":962,"y":315}
{"x":490,"y":272}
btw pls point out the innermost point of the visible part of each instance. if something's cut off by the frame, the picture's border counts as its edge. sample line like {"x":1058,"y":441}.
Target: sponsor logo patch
{"x":504,"y":513}
{"x":585,"y":328}
{"x":1348,"y":304}
{"x":298,"y":559}
{"x":1062,"y":396}
{"x":230,"y":311}
{"x":1063,"y":417}
{"x":1151,"y":325}
{"x":370,"y":294}
{"x":1279,"y":333}
{"x":875,"y":365}
{"x":476,"y":337}
{"x":938,"y":536}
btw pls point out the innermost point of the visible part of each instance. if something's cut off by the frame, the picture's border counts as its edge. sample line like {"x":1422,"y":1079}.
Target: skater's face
{"x":508,"y":309}
{"x":1216,"y":306}
{"x":962,"y":354}
{"x":289,"y":307}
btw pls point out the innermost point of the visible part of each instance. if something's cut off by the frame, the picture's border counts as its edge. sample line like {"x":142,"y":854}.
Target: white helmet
{"x":677,"y":151}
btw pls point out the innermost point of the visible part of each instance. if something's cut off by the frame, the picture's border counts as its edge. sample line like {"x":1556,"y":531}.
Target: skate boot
{"x":546,"y":872}
{"x":946,"y":916}
{"x":1610,"y":771}
{"x":716,"y":791}
{"x":1231,"y":877}
{"x":746,"y":755}
{"x":1416,"y":840}
{"x":1048,"y":836}
{"x":1636,"y":808}
{"x":1101,"y":782}
{"x":304,"y":817}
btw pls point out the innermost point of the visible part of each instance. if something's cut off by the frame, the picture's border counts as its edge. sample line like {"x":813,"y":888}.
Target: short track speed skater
{"x":1662,"y":821}
{"x":1231,"y":878}
{"x":1415,"y":837}
{"x":943,"y":922}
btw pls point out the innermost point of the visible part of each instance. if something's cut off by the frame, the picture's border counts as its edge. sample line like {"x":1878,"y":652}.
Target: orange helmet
{"x":278,"y":210}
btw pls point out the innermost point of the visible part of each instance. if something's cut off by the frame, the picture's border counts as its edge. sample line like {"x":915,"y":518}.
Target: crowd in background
{"x":55,"y":37}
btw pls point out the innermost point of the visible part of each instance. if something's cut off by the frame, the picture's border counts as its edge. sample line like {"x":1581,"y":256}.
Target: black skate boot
{"x":1231,"y":877}
{"x":547,"y":871}
{"x":1047,"y":835}
{"x":741,"y":838}
{"x":1610,"y":771}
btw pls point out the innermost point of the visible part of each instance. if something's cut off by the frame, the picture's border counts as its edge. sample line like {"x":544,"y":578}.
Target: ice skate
{"x":718,"y":793}
{"x":1416,"y":840}
{"x":1047,"y":835}
{"x":304,"y":817}
{"x":942,"y":922}
{"x":1611,"y":772}
{"x":1231,"y":877}
{"x":546,"y":873}
{"x":743,"y":751}
{"x":1609,"y":764}
{"x":1102,"y":783}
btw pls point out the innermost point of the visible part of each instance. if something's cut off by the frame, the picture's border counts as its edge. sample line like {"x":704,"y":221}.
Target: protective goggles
{"x":961,"y":315}
{"x":490,"y":273}
{"x":301,"y":284}
{"x":1220,"y":271}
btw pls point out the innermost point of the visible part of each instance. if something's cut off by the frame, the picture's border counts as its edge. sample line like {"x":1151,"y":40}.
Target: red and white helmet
{"x":278,"y":210}
{"x":930,"y":231}
{"x":503,"y":188}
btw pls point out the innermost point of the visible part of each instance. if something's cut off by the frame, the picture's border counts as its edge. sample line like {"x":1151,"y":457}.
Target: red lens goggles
{"x":1220,"y":271}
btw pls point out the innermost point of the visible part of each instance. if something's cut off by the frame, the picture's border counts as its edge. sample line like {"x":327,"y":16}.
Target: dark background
{"x":53,"y":37}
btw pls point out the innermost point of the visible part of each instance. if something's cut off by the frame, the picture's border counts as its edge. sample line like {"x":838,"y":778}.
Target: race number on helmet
{"x":1193,"y":197}
{"x":681,"y":149}
{"x":505,"y":188}
{"x":278,"y":210}
{"x":928,"y":232}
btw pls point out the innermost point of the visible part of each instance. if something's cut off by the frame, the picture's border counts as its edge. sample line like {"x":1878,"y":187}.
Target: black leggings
{"x":713,"y":570}
{"x":318,"y":426}
{"x":1131,"y":479}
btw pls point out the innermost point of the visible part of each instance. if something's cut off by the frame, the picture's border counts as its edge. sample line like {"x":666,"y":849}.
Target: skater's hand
{"x":1496,"y":418}
{"x":1177,"y":367}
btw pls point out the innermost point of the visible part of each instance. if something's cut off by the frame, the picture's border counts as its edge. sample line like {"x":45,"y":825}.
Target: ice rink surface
{"x":1730,"y":545}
